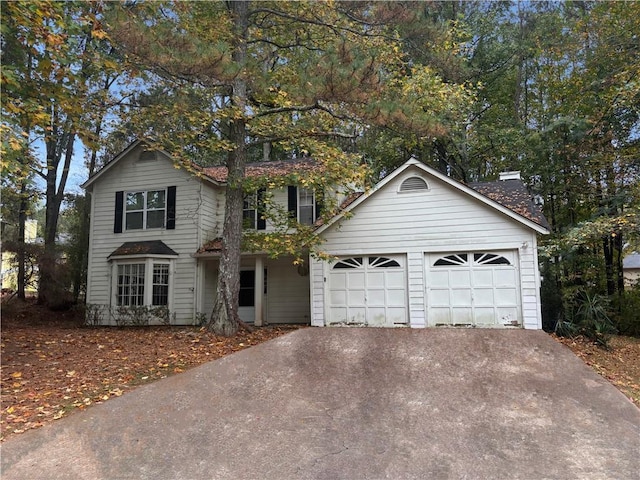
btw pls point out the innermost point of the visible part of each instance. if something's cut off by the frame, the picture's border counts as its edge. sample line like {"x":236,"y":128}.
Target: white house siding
{"x":439,"y":220}
{"x":211,"y":210}
{"x":279,"y":197}
{"x":130,"y":174}
{"x":287,"y":297}
{"x":210,"y":282}
{"x":317,"y":282}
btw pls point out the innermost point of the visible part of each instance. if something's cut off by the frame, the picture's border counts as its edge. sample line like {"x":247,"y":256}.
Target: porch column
{"x":259,"y":291}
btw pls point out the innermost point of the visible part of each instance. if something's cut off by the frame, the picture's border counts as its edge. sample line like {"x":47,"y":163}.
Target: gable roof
{"x":109,"y":165}
{"x":525,"y":213}
{"x":218,"y":174}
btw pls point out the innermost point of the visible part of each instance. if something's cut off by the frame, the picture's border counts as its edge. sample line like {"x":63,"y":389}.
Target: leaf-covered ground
{"x":620,"y":364}
{"x":52,"y":366}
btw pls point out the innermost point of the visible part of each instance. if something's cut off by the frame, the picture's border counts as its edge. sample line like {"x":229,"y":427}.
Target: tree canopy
{"x":470,"y":87}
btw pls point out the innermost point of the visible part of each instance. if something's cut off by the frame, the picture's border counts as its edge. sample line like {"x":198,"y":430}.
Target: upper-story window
{"x":249,"y":211}
{"x":253,"y":207}
{"x":306,"y":206}
{"x":145,"y":209}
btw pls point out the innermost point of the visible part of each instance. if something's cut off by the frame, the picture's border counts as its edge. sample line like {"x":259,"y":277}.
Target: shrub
{"x":587,"y":314}
{"x":134,"y":316}
{"x":627,"y":317}
{"x":94,"y":314}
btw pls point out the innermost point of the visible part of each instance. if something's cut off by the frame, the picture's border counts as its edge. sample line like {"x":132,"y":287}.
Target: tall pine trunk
{"x":224,"y":318}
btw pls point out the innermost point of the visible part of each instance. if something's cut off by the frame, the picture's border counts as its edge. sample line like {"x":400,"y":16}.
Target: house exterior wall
{"x":9,"y":268}
{"x":438,"y":220}
{"x":287,"y":292}
{"x":196,"y":216}
{"x":287,"y":299}
{"x":631,"y":277}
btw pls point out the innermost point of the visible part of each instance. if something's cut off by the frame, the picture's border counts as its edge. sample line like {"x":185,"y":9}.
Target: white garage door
{"x":474,"y":288}
{"x":368,"y":290}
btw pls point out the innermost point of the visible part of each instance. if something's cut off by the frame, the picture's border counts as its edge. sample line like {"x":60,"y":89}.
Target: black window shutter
{"x":119,"y":210}
{"x":293,"y":201}
{"x":319,"y":198}
{"x":262,"y":222}
{"x":171,"y":208}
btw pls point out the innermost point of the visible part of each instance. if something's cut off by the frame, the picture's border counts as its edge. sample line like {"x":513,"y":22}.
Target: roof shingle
{"x":259,"y":169}
{"x":149,"y":247}
{"x":514,"y":195}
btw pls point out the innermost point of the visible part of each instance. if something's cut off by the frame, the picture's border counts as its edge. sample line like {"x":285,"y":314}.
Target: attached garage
{"x":446,"y":254}
{"x":473,"y":289}
{"x":368,"y":290}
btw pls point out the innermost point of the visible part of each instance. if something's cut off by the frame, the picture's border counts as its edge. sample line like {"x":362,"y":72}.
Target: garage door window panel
{"x":382,"y":262}
{"x":489,"y":259}
{"x":349,"y":263}
{"x":457,"y":259}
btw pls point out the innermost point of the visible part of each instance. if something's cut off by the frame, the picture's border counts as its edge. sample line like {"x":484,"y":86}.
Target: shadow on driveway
{"x":354,"y":403}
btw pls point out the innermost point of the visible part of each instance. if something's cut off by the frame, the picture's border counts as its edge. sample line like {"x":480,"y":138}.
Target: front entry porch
{"x":272,"y":291}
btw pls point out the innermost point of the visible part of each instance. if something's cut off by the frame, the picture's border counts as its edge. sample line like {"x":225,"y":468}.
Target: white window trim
{"x":313,"y":204}
{"x":148,"y":262}
{"x":144,"y":210}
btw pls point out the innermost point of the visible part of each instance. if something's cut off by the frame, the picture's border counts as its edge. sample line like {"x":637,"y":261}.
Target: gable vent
{"x":147,"y":155}
{"x":412,"y":184}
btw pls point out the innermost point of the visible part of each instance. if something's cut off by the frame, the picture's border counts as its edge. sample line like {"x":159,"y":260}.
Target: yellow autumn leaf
{"x":99,"y":34}
{"x":16,"y":374}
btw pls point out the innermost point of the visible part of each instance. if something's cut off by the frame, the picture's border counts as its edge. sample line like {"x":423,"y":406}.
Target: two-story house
{"x":419,"y":249}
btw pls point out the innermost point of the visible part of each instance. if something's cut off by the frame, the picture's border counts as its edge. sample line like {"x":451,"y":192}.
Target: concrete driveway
{"x":349,"y":403}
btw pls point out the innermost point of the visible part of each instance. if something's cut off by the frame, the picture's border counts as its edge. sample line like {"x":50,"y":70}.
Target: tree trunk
{"x":20,"y":254}
{"x":607,"y":244}
{"x":50,"y":288}
{"x":224,"y":318}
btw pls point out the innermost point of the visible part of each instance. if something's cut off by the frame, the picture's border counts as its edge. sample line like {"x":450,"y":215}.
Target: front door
{"x":246,"y":310}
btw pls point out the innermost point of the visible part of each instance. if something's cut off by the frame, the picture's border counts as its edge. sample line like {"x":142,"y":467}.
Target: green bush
{"x":586,"y":314}
{"x":627,"y":308}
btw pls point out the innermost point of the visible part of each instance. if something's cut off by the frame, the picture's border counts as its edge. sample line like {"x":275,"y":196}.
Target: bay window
{"x":144,"y":282}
